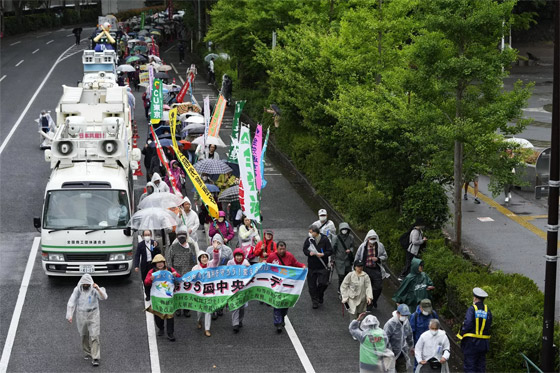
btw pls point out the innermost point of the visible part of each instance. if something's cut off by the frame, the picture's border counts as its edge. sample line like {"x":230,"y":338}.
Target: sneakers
{"x":279,"y":329}
{"x":171,"y":337}
{"x":465,"y":197}
{"x":236,"y":329}
{"x":214,"y":316}
{"x":220,"y":312}
{"x":147,"y":298}
{"x":400,"y":279}
{"x":178,"y":313}
{"x":95,"y":362}
{"x":315,"y":305}
{"x":207,"y":333}
{"x":476,"y":201}
{"x":186,"y":313}
{"x":199,"y":325}
{"x":87,"y":356}
{"x":507,"y":200}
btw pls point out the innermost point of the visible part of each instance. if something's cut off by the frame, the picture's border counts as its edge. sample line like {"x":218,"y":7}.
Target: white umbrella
{"x":210,"y":140}
{"x":195,"y":119}
{"x":194,"y":127}
{"x":153,"y":218}
{"x":164,"y":68}
{"x":125,"y":68}
{"x":162,"y":199}
{"x":134,"y":40}
{"x":523,"y":143}
{"x":156,"y":58}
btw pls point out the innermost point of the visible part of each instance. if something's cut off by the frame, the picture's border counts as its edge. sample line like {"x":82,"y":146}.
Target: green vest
{"x":373,"y":344}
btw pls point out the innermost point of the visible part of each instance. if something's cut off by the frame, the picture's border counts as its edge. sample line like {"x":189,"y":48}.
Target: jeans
{"x":279,"y":314}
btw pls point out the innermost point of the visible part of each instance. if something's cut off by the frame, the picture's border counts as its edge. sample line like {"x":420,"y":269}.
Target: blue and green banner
{"x":156,"y":102}
{"x":210,"y":289}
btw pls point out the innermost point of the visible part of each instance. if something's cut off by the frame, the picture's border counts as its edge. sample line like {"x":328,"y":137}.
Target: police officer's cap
{"x":479,"y":293}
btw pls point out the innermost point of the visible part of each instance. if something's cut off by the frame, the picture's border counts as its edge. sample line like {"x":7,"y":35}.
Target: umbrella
{"x":211,"y":188}
{"x":210,"y":140}
{"x":133,"y":40}
{"x":523,"y":143}
{"x":210,"y":55}
{"x":141,"y":48}
{"x":164,"y":68}
{"x":153,"y":218}
{"x":235,"y":168}
{"x":125,"y":68}
{"x":131,"y":33}
{"x":230,"y":194}
{"x":198,"y":119}
{"x":163,"y":142}
{"x":154,"y":32}
{"x":186,"y":144}
{"x":194,"y":126}
{"x":135,"y":58}
{"x":163,"y":200}
{"x":198,"y":130}
{"x":166,"y":107}
{"x":143,"y":32}
{"x":184,"y":116}
{"x":156,"y":58}
{"x":212,"y":167}
{"x":161,"y":75}
{"x":161,"y":129}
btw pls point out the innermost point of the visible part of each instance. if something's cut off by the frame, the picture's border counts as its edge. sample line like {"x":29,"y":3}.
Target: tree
{"x":456,"y":82}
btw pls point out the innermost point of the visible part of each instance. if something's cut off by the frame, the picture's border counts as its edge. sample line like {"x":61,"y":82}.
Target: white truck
{"x":89,"y":196}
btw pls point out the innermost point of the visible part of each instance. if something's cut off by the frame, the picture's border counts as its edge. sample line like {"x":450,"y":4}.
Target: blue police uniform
{"x":474,"y":336}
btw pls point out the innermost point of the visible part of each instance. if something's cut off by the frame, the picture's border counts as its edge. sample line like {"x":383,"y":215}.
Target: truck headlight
{"x":117,"y":256}
{"x":56,"y":257}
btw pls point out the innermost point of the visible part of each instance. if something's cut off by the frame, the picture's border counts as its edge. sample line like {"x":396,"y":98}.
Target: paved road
{"x":45,"y":342}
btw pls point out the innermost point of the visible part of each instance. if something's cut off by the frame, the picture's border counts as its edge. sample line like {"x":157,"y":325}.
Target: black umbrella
{"x":161,"y":75}
{"x":235,"y":168}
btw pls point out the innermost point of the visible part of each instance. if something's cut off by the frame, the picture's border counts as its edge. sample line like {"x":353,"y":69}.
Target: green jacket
{"x":413,"y":287}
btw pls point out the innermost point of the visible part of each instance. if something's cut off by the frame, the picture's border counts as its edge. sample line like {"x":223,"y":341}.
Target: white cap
{"x":322,"y":212}
{"x":479,"y":293}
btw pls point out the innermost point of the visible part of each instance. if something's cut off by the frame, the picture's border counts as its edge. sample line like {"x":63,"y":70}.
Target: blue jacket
{"x":420,"y":323}
{"x":471,"y":345}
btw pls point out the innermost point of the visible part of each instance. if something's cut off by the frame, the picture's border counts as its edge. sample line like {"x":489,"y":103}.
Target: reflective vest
{"x":478,"y":315}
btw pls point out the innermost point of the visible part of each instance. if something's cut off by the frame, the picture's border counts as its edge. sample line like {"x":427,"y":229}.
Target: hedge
{"x":48,"y":20}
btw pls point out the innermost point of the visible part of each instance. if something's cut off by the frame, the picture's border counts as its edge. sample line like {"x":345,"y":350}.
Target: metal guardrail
{"x":529,"y":364}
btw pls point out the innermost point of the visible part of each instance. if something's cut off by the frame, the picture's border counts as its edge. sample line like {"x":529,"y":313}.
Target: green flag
{"x":156,"y":102}
{"x":143,"y":19}
{"x":232,"y":153}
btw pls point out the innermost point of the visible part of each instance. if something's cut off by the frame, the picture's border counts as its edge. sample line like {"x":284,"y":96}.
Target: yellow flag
{"x":197,"y":181}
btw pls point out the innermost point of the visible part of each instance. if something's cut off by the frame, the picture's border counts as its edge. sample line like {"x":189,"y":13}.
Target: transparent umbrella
{"x":153,"y":218}
{"x":163,"y":200}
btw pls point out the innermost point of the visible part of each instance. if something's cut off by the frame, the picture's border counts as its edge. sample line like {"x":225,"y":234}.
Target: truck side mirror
{"x":127,"y":232}
{"x":37,"y":223}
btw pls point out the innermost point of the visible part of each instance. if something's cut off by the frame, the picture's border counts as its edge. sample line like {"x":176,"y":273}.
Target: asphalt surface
{"x":45,"y":342}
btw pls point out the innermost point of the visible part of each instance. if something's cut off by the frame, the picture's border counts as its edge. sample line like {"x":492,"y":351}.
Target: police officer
{"x":475,"y":333}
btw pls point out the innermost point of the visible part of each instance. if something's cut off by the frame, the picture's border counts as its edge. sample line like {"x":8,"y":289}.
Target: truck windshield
{"x":86,"y":209}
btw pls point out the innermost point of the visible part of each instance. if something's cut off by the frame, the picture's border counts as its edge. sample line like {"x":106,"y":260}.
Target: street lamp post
{"x":547,"y":351}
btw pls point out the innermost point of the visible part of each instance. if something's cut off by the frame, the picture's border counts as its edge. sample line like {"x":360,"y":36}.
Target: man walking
{"x":85,"y":301}
{"x":317,"y":248}
{"x":146,"y":250}
{"x":475,"y":333}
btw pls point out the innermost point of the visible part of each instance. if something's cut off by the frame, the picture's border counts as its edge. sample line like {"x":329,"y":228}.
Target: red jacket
{"x":269,"y":246}
{"x":148,"y":279}
{"x":288,"y":260}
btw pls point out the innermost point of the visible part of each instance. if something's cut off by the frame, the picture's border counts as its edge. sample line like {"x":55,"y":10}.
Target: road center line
{"x":2,"y":78}
{"x":35,"y":51}
{"x":24,"y":112}
{"x":152,"y":340}
{"x":298,"y":346}
{"x":50,"y":41}
{"x":69,"y":35}
{"x":7,"y":352}
{"x":19,"y":63}
{"x":176,"y":72}
{"x":17,"y":42}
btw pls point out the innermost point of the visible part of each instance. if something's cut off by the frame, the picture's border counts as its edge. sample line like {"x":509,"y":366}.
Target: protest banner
{"x":256,"y":149}
{"x":217,"y":117}
{"x":210,"y":289}
{"x":248,"y":194}
{"x":156,"y":103}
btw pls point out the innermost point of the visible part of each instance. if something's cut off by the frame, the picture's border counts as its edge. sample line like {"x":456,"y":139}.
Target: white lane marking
{"x":176,"y":72}
{"x":168,"y":49}
{"x":40,"y":36}
{"x":298,"y":346}
{"x":2,"y":78}
{"x":24,"y":112}
{"x":69,"y":35}
{"x":50,"y":41}
{"x":272,"y":174}
{"x":152,"y":340}
{"x":35,"y":51}
{"x":17,"y":42}
{"x":19,"y":63}
{"x":7,"y":352}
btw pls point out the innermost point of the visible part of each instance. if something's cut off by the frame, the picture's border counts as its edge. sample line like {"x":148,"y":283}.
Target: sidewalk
{"x":510,"y":238}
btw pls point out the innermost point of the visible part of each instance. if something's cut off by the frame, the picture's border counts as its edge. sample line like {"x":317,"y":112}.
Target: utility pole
{"x":199,"y":25}
{"x":547,"y":351}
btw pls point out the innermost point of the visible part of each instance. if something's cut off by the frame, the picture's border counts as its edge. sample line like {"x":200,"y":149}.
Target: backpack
{"x":404,"y":239}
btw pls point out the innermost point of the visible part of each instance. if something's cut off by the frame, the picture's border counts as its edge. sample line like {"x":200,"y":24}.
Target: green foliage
{"x":426,"y":199}
{"x":129,"y":13}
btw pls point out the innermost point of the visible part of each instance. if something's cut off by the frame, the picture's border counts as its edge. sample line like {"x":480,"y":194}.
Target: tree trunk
{"x":78,"y":9}
{"x":458,"y":175}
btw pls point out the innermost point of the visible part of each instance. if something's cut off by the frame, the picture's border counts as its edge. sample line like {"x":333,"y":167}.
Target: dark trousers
{"x":340,"y":279}
{"x":279,"y":314}
{"x":170,"y":324}
{"x":211,"y":77}
{"x":77,"y":39}
{"x":406,"y":269}
{"x":376,"y":284}
{"x":474,"y":362}
{"x":317,"y":281}
{"x":143,"y":273}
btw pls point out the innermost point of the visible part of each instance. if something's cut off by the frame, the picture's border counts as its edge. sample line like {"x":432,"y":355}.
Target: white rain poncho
{"x":400,"y":337}
{"x":432,"y":346}
{"x":86,"y":305}
{"x":161,"y":186}
{"x":375,"y":354}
